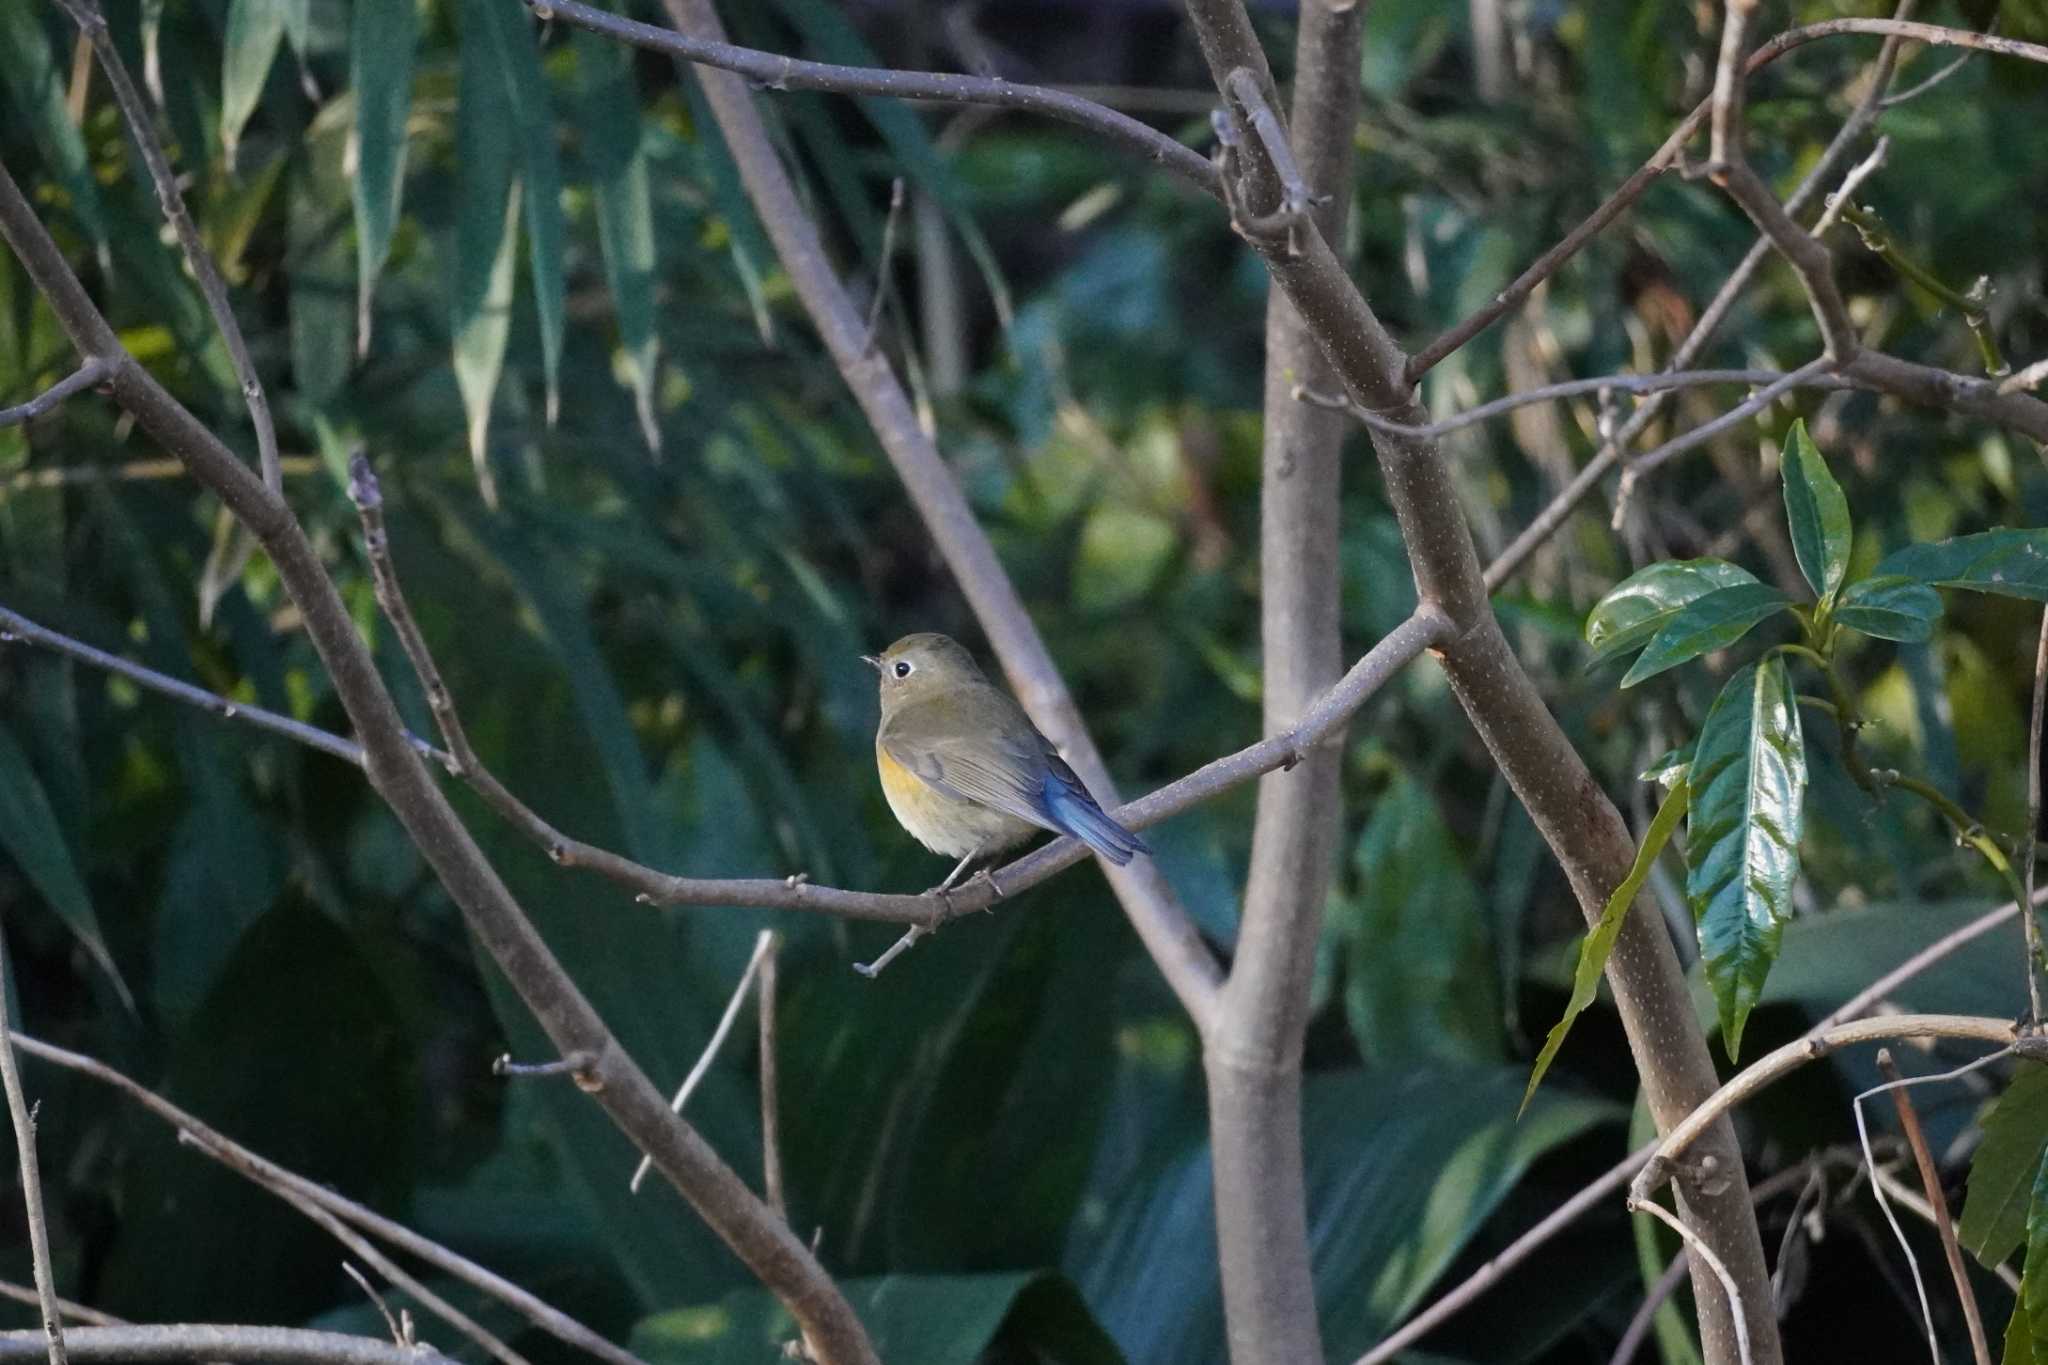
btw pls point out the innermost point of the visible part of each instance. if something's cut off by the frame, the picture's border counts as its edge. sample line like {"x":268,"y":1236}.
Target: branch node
{"x":580,"y":1066}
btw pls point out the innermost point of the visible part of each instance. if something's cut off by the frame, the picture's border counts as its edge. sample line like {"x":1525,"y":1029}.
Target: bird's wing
{"x":998,"y":775}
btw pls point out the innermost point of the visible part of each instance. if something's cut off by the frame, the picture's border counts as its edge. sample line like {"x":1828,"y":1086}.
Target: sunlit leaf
{"x":617,"y":163}
{"x":1748,"y":788}
{"x":30,"y":833}
{"x":2006,"y":562}
{"x":1994,"y":1220}
{"x":1638,"y":607}
{"x":1704,"y":625}
{"x":1668,"y":769}
{"x":1892,"y":608}
{"x":1598,"y":943}
{"x":1817,"y":512}
{"x":255,"y":30}
{"x":382,"y":40}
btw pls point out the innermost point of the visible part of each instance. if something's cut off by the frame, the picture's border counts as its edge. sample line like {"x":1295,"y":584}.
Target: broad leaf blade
{"x":2033,"y":1302}
{"x":1706,"y":624}
{"x":1598,"y":943}
{"x":1748,"y":789}
{"x":255,"y":29}
{"x":617,"y":163}
{"x":382,"y":44}
{"x":2006,"y":562}
{"x":33,"y":839}
{"x":1994,"y":1220}
{"x":1892,"y":608}
{"x":1638,"y":607}
{"x":1817,"y":512}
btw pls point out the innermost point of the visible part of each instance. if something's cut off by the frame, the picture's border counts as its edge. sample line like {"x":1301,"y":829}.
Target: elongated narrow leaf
{"x":1748,"y":791}
{"x":382,"y":41}
{"x":35,"y":89}
{"x":33,"y":839}
{"x":2007,"y":562}
{"x":1892,"y":608}
{"x":255,"y":29}
{"x":318,"y":198}
{"x":1599,"y":942}
{"x":486,"y":235}
{"x":510,"y":49}
{"x":1639,"y":606}
{"x":2033,"y":1304}
{"x":1817,"y":512}
{"x":1994,"y":1220}
{"x":1706,"y":624}
{"x":612,"y":150}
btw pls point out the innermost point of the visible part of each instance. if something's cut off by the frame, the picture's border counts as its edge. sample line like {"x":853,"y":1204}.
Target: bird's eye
{"x":903,"y":668}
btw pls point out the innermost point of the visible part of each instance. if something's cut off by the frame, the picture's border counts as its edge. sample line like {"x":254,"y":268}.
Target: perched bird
{"x":965,"y":770}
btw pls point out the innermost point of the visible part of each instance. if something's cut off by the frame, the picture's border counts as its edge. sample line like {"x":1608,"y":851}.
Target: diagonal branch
{"x":24,"y":1120}
{"x":79,"y":380}
{"x":195,"y":1342}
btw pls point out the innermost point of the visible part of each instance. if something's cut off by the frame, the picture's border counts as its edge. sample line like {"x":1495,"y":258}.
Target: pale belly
{"x":942,"y":823}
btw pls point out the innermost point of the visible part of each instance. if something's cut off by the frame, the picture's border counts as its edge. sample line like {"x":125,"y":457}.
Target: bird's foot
{"x":987,"y":874}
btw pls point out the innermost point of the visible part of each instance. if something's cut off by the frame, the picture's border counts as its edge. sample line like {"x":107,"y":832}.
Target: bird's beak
{"x":873,"y":661}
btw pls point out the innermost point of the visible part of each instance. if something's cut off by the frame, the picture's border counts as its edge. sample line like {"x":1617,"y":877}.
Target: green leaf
{"x":1817,"y":512}
{"x":318,"y":199}
{"x":1638,"y":607}
{"x":382,"y":42}
{"x":32,"y":837}
{"x":1668,"y":769}
{"x":617,"y":162}
{"x":35,"y":85}
{"x":255,"y":29}
{"x":486,"y":233}
{"x":913,"y":1319}
{"x":1706,"y":624}
{"x":1892,"y":608}
{"x":1593,"y":950}
{"x":2018,"y":1348}
{"x":512,"y":51}
{"x":2033,"y":1302}
{"x":1994,"y":1220}
{"x":1748,"y":787}
{"x":2007,"y":562}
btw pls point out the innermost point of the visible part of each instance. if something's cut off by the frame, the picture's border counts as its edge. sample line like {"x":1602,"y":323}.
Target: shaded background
{"x":1001,"y":1139}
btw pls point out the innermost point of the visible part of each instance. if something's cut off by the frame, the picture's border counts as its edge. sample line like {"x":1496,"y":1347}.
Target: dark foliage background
{"x":1001,"y":1139}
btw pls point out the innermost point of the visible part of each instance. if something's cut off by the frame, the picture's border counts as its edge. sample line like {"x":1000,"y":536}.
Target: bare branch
{"x":31,"y":1180}
{"x":1933,"y":34}
{"x":939,"y":87}
{"x":89,"y":373}
{"x":1699,"y":1248}
{"x":77,"y":1312}
{"x":197,"y":1342}
{"x":1639,"y":1324}
{"x":141,"y":127}
{"x":1930,"y":1181}
{"x":763,"y":943}
{"x":771,"y":1101}
{"x":1730,"y":81}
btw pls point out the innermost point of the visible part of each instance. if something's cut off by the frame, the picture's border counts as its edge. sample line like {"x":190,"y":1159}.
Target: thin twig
{"x":1648,"y":462}
{"x":771,"y":1101}
{"x":77,"y":1312}
{"x":1930,"y":1181}
{"x":764,"y":943}
{"x":2032,"y":833}
{"x":135,"y":112}
{"x":31,"y":1180}
{"x":1913,"y":1202}
{"x":1730,"y":82}
{"x":1646,"y":1312}
{"x":1913,"y":92}
{"x":400,"y":1335}
{"x":1705,"y":1253}
{"x":787,"y":73}
{"x":887,"y":258}
{"x":219,"y":1147}
{"x":189,"y":1343}
{"x":89,"y":373}
{"x":578,"y":1064}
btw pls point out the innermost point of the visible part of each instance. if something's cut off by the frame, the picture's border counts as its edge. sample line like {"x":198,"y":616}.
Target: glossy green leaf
{"x":1668,"y":769}
{"x":34,"y":83}
{"x":1893,"y":607}
{"x":383,"y":37}
{"x":30,"y":833}
{"x":2034,"y":1282}
{"x":511,"y":50}
{"x":1817,"y":512}
{"x":1598,"y":943}
{"x":912,"y":1319}
{"x":1704,"y":625}
{"x":486,"y":236}
{"x":255,"y":31}
{"x":1403,"y":1165}
{"x":2006,"y":562}
{"x":1748,"y":790}
{"x":617,"y":163}
{"x":1638,"y":607}
{"x":1994,"y":1220}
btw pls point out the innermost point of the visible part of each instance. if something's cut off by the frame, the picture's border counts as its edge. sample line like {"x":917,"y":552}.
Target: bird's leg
{"x":988,"y":874}
{"x":947,"y":885}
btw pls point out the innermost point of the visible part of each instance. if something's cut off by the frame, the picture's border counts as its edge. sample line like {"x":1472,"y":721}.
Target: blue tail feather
{"x":1075,"y":811}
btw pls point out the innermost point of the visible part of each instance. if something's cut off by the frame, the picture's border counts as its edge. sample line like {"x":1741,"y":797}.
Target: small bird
{"x":965,"y":770}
